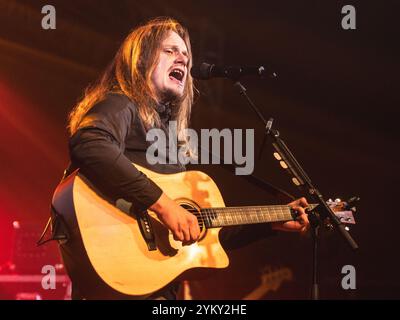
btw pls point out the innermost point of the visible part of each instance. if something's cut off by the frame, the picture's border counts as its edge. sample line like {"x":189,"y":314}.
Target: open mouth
{"x":177,"y":75}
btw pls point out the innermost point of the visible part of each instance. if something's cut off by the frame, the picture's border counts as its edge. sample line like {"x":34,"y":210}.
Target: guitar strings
{"x":228,"y":215}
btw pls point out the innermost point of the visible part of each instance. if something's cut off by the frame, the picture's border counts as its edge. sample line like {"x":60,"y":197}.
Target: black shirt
{"x":110,"y":138}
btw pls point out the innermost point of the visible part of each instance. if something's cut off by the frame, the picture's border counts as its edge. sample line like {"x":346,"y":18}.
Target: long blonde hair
{"x":130,"y":72}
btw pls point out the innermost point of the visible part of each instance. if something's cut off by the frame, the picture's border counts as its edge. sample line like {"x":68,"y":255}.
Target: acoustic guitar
{"x":135,"y":253}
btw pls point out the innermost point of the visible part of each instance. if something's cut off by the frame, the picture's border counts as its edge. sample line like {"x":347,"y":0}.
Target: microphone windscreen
{"x":201,"y":71}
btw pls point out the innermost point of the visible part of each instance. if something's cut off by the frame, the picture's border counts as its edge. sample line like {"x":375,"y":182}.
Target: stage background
{"x":335,"y":103}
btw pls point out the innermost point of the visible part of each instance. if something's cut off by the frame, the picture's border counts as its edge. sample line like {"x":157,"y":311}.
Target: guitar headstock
{"x":344,"y":210}
{"x":273,"y":278}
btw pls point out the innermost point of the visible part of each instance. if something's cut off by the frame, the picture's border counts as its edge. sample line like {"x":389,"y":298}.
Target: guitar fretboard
{"x":231,"y":216}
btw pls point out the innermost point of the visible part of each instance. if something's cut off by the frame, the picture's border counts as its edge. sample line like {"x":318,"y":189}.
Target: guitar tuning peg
{"x":353,"y":199}
{"x":329,"y":226}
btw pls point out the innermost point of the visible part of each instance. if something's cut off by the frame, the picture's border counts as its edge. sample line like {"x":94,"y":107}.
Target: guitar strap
{"x":59,"y":229}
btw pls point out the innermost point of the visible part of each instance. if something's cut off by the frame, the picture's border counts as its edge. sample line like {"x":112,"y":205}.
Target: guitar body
{"x":115,"y":246}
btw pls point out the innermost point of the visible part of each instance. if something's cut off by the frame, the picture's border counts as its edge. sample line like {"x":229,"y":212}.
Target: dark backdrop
{"x":335,"y":103}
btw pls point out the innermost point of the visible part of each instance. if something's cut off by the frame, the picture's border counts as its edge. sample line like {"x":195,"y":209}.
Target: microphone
{"x":206,"y":71}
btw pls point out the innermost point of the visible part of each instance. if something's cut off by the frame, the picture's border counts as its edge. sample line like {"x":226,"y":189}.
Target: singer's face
{"x":169,"y":76}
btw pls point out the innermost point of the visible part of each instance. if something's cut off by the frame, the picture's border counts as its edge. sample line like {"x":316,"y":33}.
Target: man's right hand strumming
{"x":182,"y":223}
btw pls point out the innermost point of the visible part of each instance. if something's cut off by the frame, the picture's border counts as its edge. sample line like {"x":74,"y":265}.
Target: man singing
{"x":147,"y":85}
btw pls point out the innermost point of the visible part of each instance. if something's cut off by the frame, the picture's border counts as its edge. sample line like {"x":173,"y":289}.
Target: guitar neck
{"x":233,"y":216}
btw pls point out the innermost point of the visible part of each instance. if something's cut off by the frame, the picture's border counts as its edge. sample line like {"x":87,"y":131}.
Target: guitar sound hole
{"x":193,"y":209}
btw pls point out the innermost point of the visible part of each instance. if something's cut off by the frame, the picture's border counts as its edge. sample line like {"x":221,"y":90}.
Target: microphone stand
{"x":303,"y":182}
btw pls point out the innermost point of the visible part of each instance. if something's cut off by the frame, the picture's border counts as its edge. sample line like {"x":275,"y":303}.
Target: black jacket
{"x":110,"y":138}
